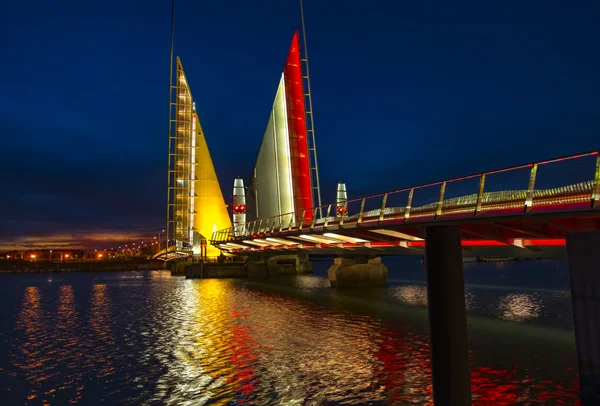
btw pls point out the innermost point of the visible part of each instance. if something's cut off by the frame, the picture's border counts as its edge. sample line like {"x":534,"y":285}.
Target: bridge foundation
{"x":583,"y":250}
{"x":447,"y":316}
{"x":346,"y":273}
{"x":279,"y":265}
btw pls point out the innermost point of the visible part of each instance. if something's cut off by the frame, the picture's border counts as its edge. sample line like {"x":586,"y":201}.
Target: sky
{"x":404,"y":93}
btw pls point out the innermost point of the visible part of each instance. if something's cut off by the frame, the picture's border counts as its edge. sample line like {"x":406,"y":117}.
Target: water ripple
{"x":152,"y":339}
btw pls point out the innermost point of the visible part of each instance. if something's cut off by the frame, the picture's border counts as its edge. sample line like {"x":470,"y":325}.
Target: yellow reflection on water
{"x":100,"y":314}
{"x":201,"y":343}
{"x":68,"y":347}
{"x":237,"y":344}
{"x":31,"y":321}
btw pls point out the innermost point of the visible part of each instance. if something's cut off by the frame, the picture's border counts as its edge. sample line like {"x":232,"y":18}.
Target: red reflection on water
{"x":405,"y":376}
{"x":243,"y":358}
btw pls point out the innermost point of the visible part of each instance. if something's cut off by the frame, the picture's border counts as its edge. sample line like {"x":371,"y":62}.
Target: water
{"x":148,"y":338}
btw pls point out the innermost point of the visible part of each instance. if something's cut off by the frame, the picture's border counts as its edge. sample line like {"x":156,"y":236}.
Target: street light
{"x":162,"y":232}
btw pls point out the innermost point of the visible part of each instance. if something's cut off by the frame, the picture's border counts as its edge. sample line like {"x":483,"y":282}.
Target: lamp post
{"x":159,"y":244}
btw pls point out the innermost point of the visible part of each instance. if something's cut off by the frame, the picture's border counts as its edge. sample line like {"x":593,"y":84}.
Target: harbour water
{"x":149,"y":338}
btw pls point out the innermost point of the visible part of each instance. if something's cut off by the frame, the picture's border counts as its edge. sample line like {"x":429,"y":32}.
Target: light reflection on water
{"x":416,"y":295}
{"x":520,"y":306}
{"x":146,"y":338}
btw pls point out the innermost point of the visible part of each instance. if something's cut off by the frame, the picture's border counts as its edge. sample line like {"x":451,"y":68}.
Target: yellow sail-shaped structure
{"x":196,"y":204}
{"x":211,"y":211}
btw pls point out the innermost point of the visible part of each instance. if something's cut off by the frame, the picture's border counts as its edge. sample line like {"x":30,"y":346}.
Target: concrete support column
{"x":337,"y":264}
{"x":447,"y":316}
{"x":583,"y":250}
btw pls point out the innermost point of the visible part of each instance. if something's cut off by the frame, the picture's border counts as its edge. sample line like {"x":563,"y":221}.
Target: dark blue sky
{"x":404,"y":93}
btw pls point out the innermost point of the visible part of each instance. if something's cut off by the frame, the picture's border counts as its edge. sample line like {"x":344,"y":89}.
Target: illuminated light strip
{"x":282,"y":241}
{"x":192,"y":183}
{"x":518,"y":242}
{"x":269,"y":243}
{"x":483,"y":243}
{"x":344,"y":238}
{"x":559,"y":242}
{"x":317,"y":239}
{"x":397,"y":234}
{"x":231,"y":244}
{"x":567,"y":157}
{"x":254,"y":243}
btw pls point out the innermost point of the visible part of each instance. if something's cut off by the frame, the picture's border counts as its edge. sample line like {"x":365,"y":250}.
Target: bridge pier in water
{"x":367,"y":273}
{"x":583,"y":250}
{"x":279,"y":265}
{"x":447,"y":316}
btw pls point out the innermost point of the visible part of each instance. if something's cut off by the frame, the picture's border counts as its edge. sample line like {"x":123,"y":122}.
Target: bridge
{"x":528,"y":223}
{"x":506,"y":212}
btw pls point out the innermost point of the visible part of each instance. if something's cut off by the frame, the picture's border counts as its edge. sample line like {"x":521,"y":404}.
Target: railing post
{"x":314,"y":219}
{"x":302,"y":220}
{"x":480,"y":194}
{"x":344,"y":210}
{"x":327,"y":217}
{"x":596,"y":185}
{"x":440,"y":203}
{"x":280,"y":223}
{"x":407,"y":211}
{"x":291,"y":221}
{"x":530,"y":189}
{"x":273,"y":225}
{"x":260,"y":229}
{"x":360,"y":214}
{"x":381,"y":213}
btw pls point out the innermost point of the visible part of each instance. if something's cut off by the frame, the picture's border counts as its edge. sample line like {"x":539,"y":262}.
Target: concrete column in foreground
{"x":447,"y":316}
{"x":583,"y":250}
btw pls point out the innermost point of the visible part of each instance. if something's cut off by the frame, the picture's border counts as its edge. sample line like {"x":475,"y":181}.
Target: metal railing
{"x":576,"y":196}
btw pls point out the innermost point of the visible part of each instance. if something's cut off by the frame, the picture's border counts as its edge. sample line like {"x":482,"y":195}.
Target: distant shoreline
{"x":63,"y":267}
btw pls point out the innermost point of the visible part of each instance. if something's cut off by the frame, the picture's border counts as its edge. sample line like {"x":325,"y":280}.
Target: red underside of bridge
{"x":498,"y":229}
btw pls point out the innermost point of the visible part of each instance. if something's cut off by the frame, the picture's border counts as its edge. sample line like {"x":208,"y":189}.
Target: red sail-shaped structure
{"x":296,"y":109}
{"x":282,"y":182}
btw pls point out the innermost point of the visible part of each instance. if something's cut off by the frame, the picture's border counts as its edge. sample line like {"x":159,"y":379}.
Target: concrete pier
{"x":280,"y":265}
{"x":447,"y":316}
{"x":216,"y":270}
{"x":346,"y":273}
{"x":583,"y":250}
{"x":252,"y":268}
